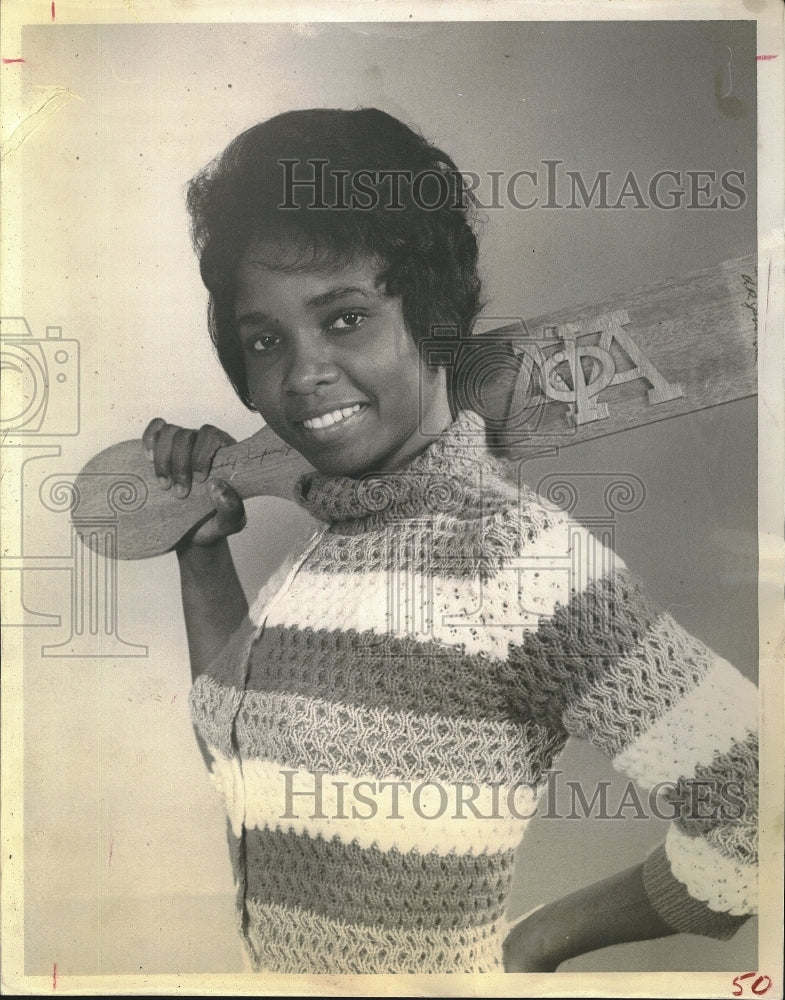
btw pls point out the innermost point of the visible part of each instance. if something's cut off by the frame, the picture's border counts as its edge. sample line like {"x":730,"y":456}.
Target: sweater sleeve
{"x":609,"y":667}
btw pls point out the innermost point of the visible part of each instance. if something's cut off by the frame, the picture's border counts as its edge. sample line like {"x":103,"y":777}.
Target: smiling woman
{"x":316,"y":306}
{"x":266,"y":188}
{"x":428,"y":637}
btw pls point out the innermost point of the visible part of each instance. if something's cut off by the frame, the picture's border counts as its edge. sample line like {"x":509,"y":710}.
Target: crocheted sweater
{"x":383,"y":723}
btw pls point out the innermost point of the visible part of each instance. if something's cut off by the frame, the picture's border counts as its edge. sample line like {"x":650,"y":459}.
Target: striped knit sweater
{"x":382,"y":724}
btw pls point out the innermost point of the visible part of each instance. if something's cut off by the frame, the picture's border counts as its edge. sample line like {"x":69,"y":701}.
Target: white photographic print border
{"x":96,"y":682}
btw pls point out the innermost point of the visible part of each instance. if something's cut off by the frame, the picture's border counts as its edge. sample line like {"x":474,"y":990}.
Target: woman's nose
{"x":310,"y":367}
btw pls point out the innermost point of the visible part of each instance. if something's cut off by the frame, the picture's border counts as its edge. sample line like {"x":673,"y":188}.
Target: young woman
{"x":383,"y":717}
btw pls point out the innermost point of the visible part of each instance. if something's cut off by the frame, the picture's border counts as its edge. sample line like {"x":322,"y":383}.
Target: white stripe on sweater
{"x":427,"y":817}
{"x":723,"y":884}
{"x":720,"y":710}
{"x":483,"y":616}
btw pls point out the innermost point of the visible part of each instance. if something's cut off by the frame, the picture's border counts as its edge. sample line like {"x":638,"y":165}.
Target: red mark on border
{"x":766,"y":58}
{"x":761,"y":985}
{"x":54,"y":976}
{"x":53,"y":10}
{"x":7,"y":62}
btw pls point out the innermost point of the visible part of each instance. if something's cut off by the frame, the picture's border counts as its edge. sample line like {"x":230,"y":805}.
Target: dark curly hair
{"x":412,"y":212}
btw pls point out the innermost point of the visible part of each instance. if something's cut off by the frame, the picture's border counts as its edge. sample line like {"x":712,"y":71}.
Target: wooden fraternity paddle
{"x":556,"y":380}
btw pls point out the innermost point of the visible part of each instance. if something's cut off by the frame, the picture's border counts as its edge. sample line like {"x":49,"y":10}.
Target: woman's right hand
{"x":182,"y":456}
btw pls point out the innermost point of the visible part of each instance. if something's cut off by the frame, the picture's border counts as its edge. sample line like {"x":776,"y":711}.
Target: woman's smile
{"x":337,"y":418}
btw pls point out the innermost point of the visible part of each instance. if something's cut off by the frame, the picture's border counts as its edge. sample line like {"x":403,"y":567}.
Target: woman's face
{"x":332,"y":368}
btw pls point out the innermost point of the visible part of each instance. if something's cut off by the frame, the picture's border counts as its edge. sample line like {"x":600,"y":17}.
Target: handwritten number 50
{"x":761,"y":985}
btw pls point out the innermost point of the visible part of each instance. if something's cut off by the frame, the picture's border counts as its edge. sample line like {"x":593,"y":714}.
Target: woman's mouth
{"x":336,"y":416}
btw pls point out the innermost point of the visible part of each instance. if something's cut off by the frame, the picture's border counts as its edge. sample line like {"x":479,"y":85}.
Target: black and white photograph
{"x":392,"y":443}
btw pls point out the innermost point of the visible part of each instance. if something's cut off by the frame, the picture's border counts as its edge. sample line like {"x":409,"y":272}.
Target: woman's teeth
{"x":328,"y":419}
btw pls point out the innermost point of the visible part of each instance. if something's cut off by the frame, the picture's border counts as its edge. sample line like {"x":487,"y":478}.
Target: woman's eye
{"x":347,"y":320}
{"x":261,"y":344}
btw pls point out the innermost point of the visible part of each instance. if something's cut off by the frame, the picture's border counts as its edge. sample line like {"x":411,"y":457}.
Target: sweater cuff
{"x":678,"y":908}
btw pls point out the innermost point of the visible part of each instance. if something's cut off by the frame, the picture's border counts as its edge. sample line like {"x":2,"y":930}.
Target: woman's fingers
{"x":182,"y":444}
{"x":162,"y":454}
{"x":208,"y":440}
{"x":150,"y":435}
{"x":181,"y":455}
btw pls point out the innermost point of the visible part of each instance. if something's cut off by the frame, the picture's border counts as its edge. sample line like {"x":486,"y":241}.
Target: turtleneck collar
{"x":445,"y":477}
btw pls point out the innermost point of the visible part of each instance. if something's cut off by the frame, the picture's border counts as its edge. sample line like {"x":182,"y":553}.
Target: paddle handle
{"x":117,"y":491}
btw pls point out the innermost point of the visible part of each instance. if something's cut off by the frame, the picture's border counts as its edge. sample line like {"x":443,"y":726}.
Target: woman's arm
{"x":609,"y":667}
{"x":612,"y":911}
{"x":214,"y":603}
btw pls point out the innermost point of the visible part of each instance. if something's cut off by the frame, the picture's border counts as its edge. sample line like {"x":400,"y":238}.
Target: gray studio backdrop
{"x":126,"y":868}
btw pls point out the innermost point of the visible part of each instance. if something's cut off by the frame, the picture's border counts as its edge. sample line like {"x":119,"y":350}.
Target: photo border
{"x":771,"y":504}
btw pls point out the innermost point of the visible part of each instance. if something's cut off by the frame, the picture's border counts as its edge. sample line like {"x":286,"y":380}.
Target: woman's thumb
{"x":229,"y":509}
